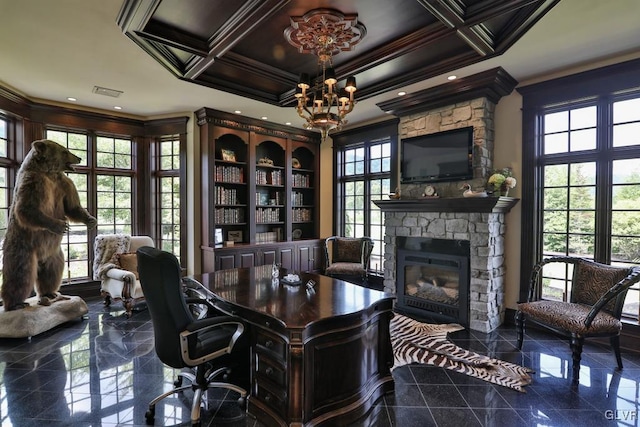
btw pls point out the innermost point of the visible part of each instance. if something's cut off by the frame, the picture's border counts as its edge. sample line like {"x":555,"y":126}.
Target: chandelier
{"x":324,"y":33}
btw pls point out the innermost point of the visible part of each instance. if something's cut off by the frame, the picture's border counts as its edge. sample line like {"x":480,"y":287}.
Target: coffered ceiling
{"x":239,"y":46}
{"x":53,"y":50}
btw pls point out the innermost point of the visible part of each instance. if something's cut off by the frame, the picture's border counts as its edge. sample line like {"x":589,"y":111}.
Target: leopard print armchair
{"x":593,"y":310}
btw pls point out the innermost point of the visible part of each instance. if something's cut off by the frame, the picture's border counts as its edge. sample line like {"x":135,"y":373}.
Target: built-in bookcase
{"x":260,"y":191}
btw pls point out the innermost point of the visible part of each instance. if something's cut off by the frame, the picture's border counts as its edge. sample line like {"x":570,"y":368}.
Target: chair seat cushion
{"x":350,"y":268}
{"x":570,"y":317}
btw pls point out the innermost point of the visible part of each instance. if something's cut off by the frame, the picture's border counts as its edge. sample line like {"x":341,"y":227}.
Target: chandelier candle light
{"x":324,"y":33}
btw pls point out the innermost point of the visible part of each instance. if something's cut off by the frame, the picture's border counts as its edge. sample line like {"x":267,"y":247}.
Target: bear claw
{"x":18,"y":306}
{"x":47,"y":299}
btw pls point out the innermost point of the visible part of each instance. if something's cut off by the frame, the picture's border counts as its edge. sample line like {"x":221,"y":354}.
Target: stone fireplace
{"x":480,"y":221}
{"x":469,"y":101}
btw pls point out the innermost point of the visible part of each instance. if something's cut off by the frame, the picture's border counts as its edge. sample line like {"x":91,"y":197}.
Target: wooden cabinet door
{"x":287,"y":258}
{"x":248,"y":259}
{"x":225,"y":262}
{"x":269,"y":256}
{"x":310,"y":256}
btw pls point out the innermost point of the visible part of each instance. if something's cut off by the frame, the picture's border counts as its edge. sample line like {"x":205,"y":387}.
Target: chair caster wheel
{"x":150,"y":415}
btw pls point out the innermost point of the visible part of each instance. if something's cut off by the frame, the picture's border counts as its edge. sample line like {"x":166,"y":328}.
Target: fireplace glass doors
{"x":433,"y":284}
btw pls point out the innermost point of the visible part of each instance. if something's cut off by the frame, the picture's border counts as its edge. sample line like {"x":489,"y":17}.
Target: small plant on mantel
{"x":501,"y":181}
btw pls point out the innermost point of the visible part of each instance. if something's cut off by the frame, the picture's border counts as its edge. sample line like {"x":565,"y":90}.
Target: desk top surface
{"x":295,"y":306}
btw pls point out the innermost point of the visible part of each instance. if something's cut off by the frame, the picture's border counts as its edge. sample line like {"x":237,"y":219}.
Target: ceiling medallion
{"x":324,"y":33}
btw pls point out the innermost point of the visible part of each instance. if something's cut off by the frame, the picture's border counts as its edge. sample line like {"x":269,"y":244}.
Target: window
{"x":168,"y":176}
{"x":5,"y":170}
{"x":111,"y":174}
{"x":365,"y":162}
{"x":4,"y":176}
{"x":586,"y":175}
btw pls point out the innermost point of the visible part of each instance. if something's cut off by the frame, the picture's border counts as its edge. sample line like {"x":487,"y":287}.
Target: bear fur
{"x":44,"y":200}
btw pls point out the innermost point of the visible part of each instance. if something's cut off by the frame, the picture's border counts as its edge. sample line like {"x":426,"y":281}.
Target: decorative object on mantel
{"x":468,"y":192}
{"x":417,"y":342}
{"x":430,"y":192}
{"x":396,"y":194}
{"x":324,"y":33}
{"x":501,"y":181}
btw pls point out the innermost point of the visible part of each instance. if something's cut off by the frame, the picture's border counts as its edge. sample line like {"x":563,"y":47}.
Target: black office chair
{"x":181,"y":341}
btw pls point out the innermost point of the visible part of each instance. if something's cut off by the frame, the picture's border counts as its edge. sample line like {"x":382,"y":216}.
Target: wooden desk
{"x":320,"y":356}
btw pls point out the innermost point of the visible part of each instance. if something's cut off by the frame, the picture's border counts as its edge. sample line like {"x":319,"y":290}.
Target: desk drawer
{"x":274,"y":399}
{"x":266,"y":367}
{"x":272,"y":344}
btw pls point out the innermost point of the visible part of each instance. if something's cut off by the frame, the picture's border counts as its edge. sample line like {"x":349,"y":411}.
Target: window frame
{"x":92,"y":170}
{"x":599,"y":87}
{"x":362,"y":137}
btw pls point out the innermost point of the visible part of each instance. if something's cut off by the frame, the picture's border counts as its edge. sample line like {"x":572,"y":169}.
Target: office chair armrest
{"x":201,"y":326}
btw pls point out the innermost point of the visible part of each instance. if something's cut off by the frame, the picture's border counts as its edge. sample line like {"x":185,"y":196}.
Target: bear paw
{"x":60,"y":227}
{"x":91,"y":222}
{"x":48,"y":299}
{"x":18,"y":306}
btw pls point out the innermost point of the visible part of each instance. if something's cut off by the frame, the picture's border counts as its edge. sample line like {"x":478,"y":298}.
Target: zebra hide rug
{"x":426,"y":343}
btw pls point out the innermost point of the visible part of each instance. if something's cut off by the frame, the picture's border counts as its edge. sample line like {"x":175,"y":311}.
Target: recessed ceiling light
{"x":264,"y":117}
{"x":71,"y":99}
{"x":288,"y":123}
{"x":117,"y":107}
{"x":238,"y":112}
{"x":402,"y":93}
{"x":452,"y":77}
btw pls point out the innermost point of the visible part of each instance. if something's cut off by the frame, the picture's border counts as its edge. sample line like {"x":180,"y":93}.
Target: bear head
{"x":49,"y":156}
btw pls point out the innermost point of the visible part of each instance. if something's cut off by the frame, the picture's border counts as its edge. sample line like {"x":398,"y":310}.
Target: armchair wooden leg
{"x":520,"y":328}
{"x":615,"y":343}
{"x":576,"y":350}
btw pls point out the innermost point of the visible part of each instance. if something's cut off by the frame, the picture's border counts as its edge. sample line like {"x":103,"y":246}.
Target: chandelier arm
{"x":302,"y":109}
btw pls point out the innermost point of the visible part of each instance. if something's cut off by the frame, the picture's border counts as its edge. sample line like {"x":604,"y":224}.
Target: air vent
{"x":107,"y":92}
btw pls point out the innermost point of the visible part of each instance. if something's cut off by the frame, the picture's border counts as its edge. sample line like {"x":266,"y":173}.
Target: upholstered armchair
{"x":594,"y":309}
{"x":347,"y":256}
{"x":116,"y":266}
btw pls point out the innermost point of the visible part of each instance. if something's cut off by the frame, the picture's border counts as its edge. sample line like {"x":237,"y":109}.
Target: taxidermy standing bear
{"x":44,"y":199}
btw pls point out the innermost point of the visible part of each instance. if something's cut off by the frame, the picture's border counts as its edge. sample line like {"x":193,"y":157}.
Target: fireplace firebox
{"x":433,"y":279}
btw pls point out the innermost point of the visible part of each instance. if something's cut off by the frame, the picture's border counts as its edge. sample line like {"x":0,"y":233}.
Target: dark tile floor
{"x":102,"y":371}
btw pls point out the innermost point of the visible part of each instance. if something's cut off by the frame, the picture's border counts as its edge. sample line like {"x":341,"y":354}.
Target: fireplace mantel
{"x":449,"y":204}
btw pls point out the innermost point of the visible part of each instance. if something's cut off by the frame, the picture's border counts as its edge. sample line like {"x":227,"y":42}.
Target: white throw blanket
{"x":107,"y":246}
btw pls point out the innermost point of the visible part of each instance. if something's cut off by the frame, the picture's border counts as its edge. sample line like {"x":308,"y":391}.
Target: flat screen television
{"x":442,"y":156}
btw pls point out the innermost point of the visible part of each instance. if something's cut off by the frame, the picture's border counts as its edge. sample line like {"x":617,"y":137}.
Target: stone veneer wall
{"x":477,"y":113}
{"x":485,"y":233}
